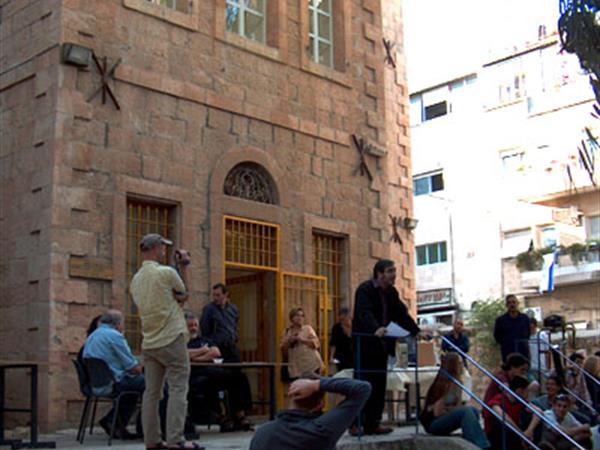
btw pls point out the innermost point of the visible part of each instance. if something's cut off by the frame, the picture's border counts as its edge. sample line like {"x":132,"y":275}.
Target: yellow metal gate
{"x":251,"y":247}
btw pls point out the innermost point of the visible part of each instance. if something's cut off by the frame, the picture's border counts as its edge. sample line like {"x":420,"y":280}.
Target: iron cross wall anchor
{"x":363,"y":168}
{"x":105,"y":75}
{"x":389,"y":46}
{"x":395,"y":225}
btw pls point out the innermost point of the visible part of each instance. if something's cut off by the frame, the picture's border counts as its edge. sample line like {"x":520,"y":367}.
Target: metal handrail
{"x":359,"y":370}
{"x":581,"y":369}
{"x":490,"y":410}
{"x":519,"y":399}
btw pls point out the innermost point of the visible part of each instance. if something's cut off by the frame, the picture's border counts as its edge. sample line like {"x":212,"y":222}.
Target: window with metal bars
{"x":249,"y":243}
{"x":329,"y":260}
{"x":143,"y":218}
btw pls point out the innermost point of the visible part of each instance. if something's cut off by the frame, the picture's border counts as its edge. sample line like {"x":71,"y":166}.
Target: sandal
{"x":160,"y":446}
{"x":227,"y":426}
{"x":190,"y":445}
{"x":242,"y":423}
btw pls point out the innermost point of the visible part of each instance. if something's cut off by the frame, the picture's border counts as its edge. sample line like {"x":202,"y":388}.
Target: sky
{"x":445,"y":38}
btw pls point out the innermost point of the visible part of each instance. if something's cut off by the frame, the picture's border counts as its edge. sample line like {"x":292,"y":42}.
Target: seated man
{"x":304,"y":426}
{"x":505,"y":404}
{"x":560,"y":416}
{"x":211,"y":380}
{"x":108,"y":344}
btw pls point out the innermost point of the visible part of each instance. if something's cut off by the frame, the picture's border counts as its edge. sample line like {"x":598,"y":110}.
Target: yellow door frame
{"x":252,"y":236}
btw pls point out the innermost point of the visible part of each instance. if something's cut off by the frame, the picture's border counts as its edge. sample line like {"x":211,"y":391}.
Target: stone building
{"x":226,"y":125}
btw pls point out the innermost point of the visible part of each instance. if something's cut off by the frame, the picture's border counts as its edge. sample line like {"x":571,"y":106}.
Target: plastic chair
{"x":101,"y":380}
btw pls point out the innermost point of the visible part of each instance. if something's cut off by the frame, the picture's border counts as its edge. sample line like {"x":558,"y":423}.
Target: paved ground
{"x":211,"y":439}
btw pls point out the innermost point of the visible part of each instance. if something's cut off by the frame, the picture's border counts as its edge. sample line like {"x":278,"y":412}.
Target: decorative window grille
{"x":251,"y":182}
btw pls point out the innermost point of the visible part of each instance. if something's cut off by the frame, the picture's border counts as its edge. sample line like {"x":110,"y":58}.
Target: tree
{"x":483,"y":318}
{"x":579,"y":31}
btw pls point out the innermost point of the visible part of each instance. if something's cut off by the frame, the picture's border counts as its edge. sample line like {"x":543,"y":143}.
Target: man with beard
{"x":377,"y":303}
{"x":211,"y":380}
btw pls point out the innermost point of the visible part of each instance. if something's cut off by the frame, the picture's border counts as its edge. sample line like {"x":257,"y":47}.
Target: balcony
{"x":566,"y":272}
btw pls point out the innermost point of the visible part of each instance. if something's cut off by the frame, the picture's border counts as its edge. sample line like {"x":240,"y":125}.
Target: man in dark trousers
{"x":304,"y":427}
{"x":219,"y":323}
{"x":376,"y":304}
{"x":511,"y":330}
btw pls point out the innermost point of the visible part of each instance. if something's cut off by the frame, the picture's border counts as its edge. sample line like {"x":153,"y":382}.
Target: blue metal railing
{"x":516,"y":396}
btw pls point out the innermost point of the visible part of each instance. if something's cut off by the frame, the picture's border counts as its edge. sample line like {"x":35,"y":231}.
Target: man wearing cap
{"x":159,"y":292}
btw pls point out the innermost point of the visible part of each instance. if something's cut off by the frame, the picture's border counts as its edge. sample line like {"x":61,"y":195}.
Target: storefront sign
{"x":436,"y":297}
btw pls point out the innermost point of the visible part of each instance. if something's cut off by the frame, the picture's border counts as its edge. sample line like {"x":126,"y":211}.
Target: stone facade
{"x":194,"y":102}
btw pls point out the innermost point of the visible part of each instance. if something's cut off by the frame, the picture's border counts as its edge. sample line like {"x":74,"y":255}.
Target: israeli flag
{"x":547,"y":280}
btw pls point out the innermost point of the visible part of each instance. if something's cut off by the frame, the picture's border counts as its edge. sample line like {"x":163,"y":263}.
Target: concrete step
{"x":409,"y":442}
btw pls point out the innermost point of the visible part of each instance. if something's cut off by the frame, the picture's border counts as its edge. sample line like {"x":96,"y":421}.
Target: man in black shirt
{"x":219,"y":323}
{"x":511,"y":330}
{"x":340,"y":344}
{"x":209,"y":380}
{"x":377,"y":303}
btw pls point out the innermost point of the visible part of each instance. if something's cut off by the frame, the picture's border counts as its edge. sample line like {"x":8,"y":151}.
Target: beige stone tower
{"x":225,"y":125}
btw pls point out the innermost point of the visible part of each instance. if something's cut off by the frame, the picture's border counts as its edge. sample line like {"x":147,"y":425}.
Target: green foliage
{"x":532,"y":260}
{"x":576,"y":252}
{"x":483,"y":317}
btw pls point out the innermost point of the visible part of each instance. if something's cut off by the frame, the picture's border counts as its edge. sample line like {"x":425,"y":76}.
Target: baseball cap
{"x":151,"y":240}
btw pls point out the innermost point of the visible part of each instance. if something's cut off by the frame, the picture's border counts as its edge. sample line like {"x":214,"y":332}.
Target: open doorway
{"x":254,"y":293}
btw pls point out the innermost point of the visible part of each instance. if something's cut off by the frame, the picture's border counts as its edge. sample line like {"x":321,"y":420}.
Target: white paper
{"x":395,"y":330}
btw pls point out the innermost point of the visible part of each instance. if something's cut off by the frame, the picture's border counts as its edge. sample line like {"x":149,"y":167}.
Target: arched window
{"x":251,"y":181}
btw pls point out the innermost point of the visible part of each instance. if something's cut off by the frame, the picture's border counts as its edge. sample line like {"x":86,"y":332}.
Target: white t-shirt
{"x":568,"y":422}
{"x":534,"y":355}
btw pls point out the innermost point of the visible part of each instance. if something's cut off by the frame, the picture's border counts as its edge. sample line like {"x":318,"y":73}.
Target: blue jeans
{"x":465,"y":417}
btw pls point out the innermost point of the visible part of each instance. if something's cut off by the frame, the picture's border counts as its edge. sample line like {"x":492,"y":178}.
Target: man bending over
{"x":304,"y":426}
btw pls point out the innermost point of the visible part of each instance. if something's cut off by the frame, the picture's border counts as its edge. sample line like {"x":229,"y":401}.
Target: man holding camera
{"x":159,"y":293}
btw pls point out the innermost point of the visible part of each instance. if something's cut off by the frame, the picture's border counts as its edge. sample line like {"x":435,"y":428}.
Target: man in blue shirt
{"x":108,"y":344}
{"x":458,"y":338}
{"x":511,"y":329}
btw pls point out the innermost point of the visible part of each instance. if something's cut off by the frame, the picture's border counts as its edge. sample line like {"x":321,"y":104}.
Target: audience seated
{"x":108,"y":344}
{"x":505,"y":404}
{"x":516,"y":365}
{"x":560,"y":416}
{"x":210,"y":380}
{"x":444,"y":413}
{"x":576,"y":384}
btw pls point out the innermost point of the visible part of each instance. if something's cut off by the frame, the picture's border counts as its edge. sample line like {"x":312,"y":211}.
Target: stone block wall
{"x":29,"y":79}
{"x":194,"y":101}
